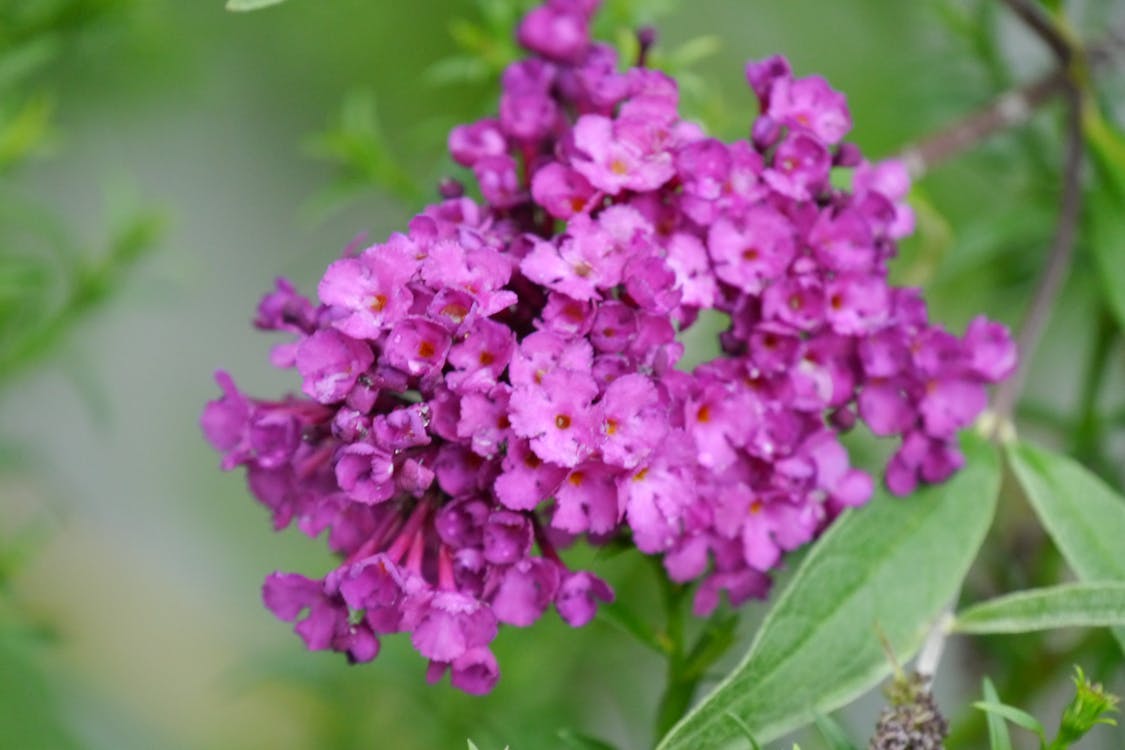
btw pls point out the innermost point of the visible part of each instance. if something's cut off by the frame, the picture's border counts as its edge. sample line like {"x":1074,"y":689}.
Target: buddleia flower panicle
{"x":913,"y":720}
{"x":500,"y":379}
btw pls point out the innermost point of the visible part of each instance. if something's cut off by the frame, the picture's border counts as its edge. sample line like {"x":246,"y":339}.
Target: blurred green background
{"x":130,"y":568}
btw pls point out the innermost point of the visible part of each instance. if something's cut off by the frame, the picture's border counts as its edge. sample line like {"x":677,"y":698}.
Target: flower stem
{"x":686,"y":667}
{"x":678,"y":688}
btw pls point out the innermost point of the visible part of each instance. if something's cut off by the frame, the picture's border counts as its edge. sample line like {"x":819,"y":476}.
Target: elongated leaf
{"x":1016,"y":716}
{"x":833,"y":734}
{"x":628,"y":622}
{"x":242,"y":5}
{"x":998,"y":737}
{"x":744,"y":731}
{"x":890,"y":567}
{"x":1083,"y":516}
{"x":1085,"y":605}
{"x":577,"y":741}
{"x":1104,"y":231}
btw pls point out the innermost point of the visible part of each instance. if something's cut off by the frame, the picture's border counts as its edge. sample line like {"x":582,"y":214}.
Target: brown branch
{"x":1062,"y":245}
{"x":1058,"y":262}
{"x":1010,"y":109}
{"x":1032,"y":14}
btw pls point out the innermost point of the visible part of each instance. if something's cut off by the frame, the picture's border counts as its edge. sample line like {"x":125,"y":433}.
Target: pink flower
{"x":502,"y":379}
{"x":370,"y":292}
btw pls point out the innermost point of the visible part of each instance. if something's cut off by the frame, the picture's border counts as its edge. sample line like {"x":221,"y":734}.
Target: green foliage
{"x":357,"y":147}
{"x":486,"y":45}
{"x":16,"y":550}
{"x":619,"y":616}
{"x":47,"y":283}
{"x":1068,"y":605}
{"x":33,"y":35}
{"x":834,"y":736}
{"x":43,"y":298}
{"x":29,"y":716}
{"x":245,"y":5}
{"x":890,"y":566}
{"x":1083,"y":516}
{"x":24,"y":131}
{"x":1017,"y":716}
{"x":1089,"y":707}
{"x":743,"y":730}
{"x":998,"y":737}
{"x":578,"y":741}
{"x":1105,"y":205}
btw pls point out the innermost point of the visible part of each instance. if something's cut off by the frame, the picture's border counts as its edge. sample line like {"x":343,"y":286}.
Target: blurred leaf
{"x":890,"y":566}
{"x":998,"y":737}
{"x":244,"y":5}
{"x":91,"y":282}
{"x":18,"y":549}
{"x":1082,"y":515}
{"x":1105,"y":206}
{"x":20,"y":279}
{"x":627,"y":621}
{"x":458,"y":69}
{"x":1014,"y":715}
{"x":487,"y":44}
{"x":689,"y":53}
{"x":91,"y":391}
{"x":1088,"y":605}
{"x":21,"y":61}
{"x":472,"y":745}
{"x":833,"y":734}
{"x":577,"y":741}
{"x":358,"y":147}
{"x":29,"y":716}
{"x":631,"y":14}
{"x":25,"y":132}
{"x":928,"y":246}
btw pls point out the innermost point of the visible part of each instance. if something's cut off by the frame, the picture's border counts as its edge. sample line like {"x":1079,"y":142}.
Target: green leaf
{"x":25,"y":132}
{"x":620,"y":617}
{"x":30,"y":716}
{"x":472,"y":745}
{"x":1014,"y":715}
{"x":744,"y":730}
{"x":1104,"y":231}
{"x":357,"y":146}
{"x":20,"y":62}
{"x":833,"y":734}
{"x":1082,"y":515}
{"x":998,"y":737}
{"x":578,"y":741}
{"x":1081,"y":605}
{"x":244,"y":5}
{"x":891,"y":566}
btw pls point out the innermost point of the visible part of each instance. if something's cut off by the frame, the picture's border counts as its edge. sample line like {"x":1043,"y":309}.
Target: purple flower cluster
{"x":501,"y":378}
